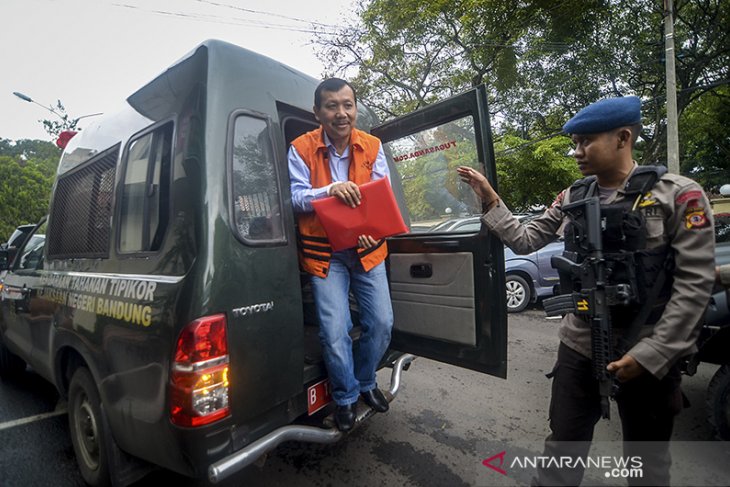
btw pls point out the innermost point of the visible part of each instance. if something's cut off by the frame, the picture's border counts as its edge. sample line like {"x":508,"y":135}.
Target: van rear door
{"x":447,"y":284}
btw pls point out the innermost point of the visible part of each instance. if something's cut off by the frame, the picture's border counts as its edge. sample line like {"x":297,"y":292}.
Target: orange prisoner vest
{"x":314,"y":247}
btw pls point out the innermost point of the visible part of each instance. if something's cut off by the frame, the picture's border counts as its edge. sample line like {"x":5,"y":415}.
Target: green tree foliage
{"x":27,"y":169}
{"x":407,"y":54}
{"x":622,"y":53}
{"x":704,"y":139}
{"x":531,"y":174}
{"x":42,"y":153}
{"x":55,"y":126}
{"x":541,"y":60}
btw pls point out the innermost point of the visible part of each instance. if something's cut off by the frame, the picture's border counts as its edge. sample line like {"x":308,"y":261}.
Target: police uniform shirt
{"x":676,"y":213}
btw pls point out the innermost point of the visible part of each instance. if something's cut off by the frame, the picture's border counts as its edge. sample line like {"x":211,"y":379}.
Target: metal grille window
{"x":82,"y":207}
{"x":256,"y":197}
{"x":145,"y":197}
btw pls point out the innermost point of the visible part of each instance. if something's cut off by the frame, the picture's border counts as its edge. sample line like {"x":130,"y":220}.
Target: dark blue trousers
{"x":647,"y":407}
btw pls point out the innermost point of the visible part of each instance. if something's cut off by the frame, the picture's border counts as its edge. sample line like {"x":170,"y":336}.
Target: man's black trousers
{"x":647,"y":407}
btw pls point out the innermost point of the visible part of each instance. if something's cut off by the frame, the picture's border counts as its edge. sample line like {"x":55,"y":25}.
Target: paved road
{"x":441,"y":427}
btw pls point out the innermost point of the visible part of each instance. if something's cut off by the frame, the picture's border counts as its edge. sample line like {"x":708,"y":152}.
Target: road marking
{"x":31,"y":419}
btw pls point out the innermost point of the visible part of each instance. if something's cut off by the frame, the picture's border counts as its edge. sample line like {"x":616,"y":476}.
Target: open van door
{"x":447,"y":284}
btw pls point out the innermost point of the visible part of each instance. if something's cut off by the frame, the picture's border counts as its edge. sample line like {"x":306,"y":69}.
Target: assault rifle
{"x":593,"y":296}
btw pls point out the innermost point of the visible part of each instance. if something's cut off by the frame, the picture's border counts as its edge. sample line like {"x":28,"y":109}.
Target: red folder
{"x":378,"y":216}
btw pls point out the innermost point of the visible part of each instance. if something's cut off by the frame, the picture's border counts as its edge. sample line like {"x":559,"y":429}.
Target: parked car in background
{"x":718,"y":311}
{"x":714,"y":339}
{"x":457,"y":225}
{"x":14,"y":242}
{"x":528,"y":277}
{"x":19,"y":235}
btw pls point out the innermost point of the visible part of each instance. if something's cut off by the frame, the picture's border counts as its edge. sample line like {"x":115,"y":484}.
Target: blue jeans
{"x":351,"y":373}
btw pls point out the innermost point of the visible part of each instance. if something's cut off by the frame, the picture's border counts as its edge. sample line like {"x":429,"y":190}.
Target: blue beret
{"x":605,"y":115}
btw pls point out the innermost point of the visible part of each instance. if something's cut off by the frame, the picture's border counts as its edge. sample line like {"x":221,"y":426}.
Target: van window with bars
{"x":82,"y":207}
{"x":256,"y":200}
{"x":145,"y":195}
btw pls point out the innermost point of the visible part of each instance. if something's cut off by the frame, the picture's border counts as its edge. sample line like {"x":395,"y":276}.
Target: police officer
{"x":674,"y":221}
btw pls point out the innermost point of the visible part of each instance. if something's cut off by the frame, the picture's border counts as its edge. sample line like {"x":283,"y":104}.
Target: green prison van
{"x":166,"y":301}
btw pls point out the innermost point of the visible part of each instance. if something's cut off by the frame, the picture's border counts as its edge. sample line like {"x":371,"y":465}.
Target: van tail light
{"x":199,"y":376}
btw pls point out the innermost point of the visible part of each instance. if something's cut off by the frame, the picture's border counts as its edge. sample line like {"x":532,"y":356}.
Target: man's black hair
{"x":331,"y":84}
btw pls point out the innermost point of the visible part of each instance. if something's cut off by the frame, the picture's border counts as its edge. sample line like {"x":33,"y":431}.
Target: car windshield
{"x":16,"y":239}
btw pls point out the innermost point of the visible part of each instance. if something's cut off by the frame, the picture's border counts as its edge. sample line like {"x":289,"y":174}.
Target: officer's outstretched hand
{"x":366,"y":242}
{"x":478,"y":183}
{"x":626,"y":368}
{"x":347,"y":192}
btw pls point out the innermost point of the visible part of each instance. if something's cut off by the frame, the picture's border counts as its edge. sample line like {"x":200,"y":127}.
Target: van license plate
{"x":318,"y":396}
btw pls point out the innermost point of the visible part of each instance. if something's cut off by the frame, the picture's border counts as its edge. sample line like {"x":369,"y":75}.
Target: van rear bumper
{"x":226,"y":467}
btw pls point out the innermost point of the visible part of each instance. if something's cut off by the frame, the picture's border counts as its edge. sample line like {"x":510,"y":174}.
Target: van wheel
{"x":87,"y":430}
{"x":718,"y":402}
{"x":10,"y":364}
{"x":518,"y":293}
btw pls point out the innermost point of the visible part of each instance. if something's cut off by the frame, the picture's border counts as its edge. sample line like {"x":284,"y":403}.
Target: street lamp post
{"x":73,"y":122}
{"x":671,"y":82}
{"x":31,"y":100}
{"x":64,"y":131}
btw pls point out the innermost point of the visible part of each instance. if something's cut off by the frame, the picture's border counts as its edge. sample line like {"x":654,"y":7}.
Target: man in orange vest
{"x":334,"y":160}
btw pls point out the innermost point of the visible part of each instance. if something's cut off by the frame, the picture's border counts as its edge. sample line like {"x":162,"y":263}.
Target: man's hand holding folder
{"x":359,"y":216}
{"x":347,"y":192}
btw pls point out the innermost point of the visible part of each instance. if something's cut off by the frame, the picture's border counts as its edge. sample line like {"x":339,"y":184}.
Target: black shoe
{"x":345,"y":417}
{"x":376,"y":400}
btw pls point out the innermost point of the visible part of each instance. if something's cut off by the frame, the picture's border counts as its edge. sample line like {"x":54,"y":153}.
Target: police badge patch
{"x":695,"y":217}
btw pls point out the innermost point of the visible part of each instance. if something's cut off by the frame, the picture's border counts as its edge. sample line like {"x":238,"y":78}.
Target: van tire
{"x":718,"y":402}
{"x":10,"y":364}
{"x":87,"y":429}
{"x":518,"y":293}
